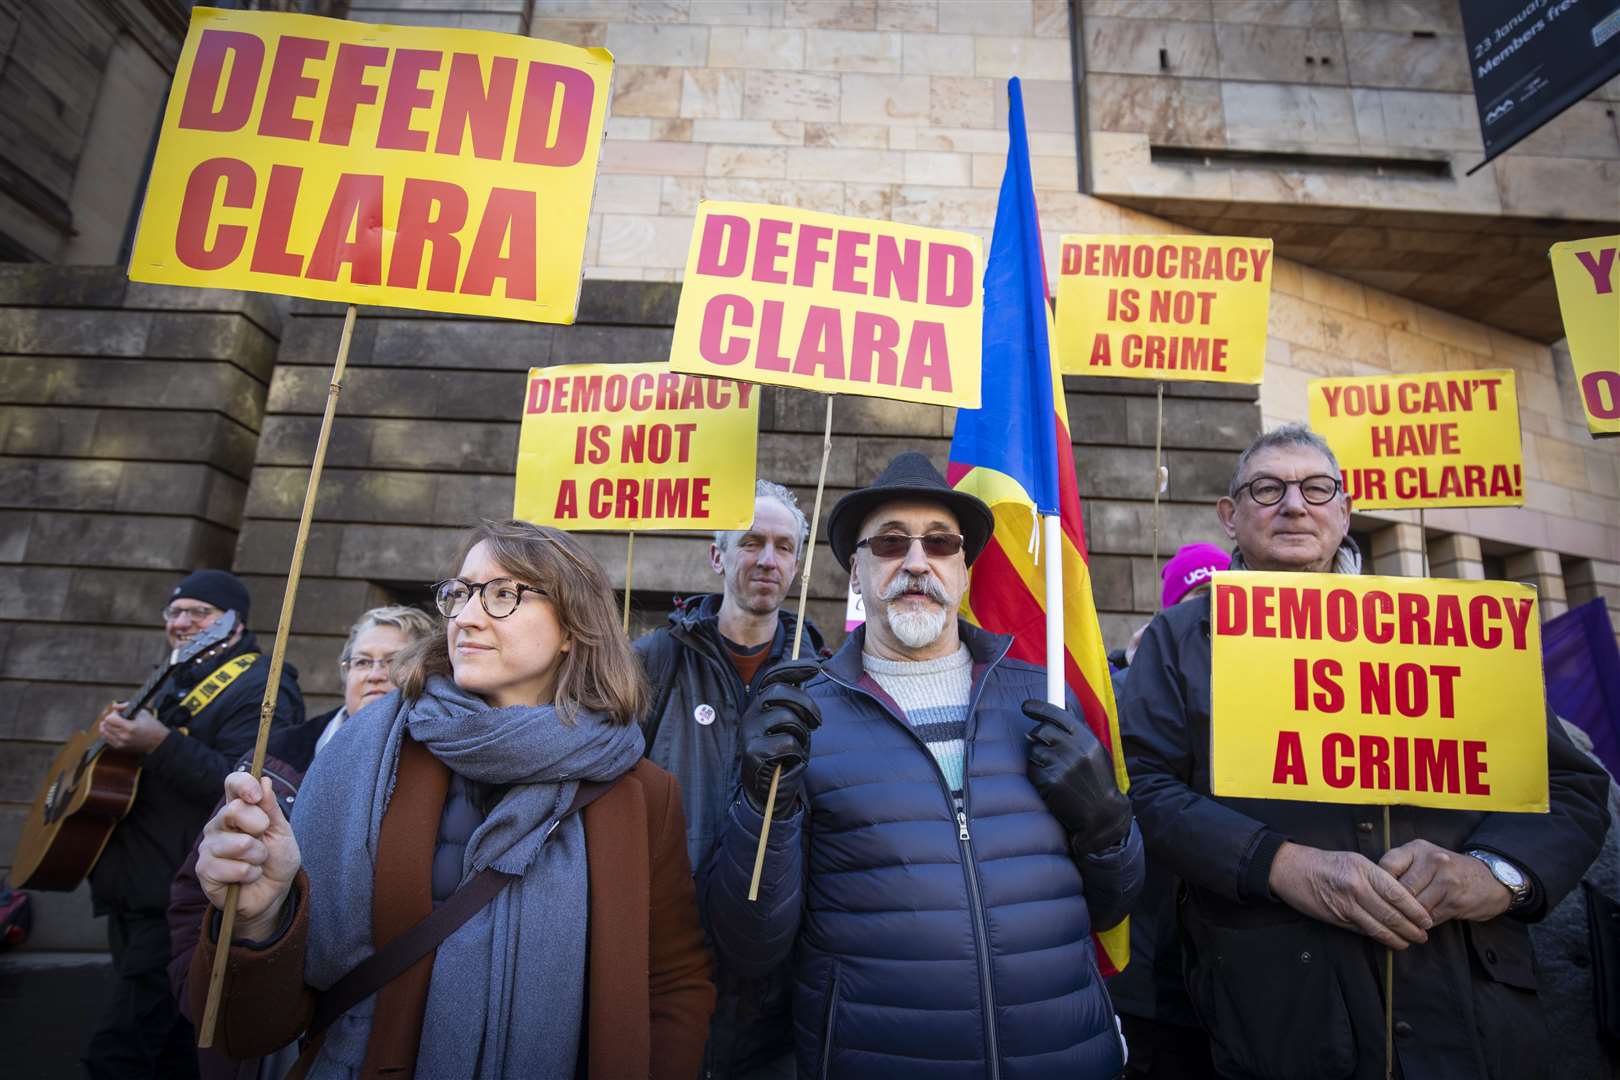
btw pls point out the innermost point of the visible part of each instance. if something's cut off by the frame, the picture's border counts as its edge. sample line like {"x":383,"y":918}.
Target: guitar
{"x":90,"y":786}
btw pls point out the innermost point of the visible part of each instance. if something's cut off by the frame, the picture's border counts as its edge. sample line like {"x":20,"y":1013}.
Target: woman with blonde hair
{"x":507,"y":769}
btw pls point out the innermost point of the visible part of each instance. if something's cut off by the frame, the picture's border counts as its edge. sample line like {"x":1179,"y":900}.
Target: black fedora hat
{"x":909,"y":476}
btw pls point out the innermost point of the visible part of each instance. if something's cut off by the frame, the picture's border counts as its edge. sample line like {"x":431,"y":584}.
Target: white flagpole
{"x":1052,"y":549}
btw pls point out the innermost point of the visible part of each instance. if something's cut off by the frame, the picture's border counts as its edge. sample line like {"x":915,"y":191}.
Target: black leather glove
{"x":775,"y":730}
{"x":1075,"y":777}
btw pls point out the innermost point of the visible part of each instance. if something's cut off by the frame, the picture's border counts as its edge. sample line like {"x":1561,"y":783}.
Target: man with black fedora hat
{"x":204,"y":722}
{"x":944,"y":842}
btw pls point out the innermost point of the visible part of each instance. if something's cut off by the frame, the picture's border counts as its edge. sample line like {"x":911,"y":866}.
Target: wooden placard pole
{"x":1158,"y":471}
{"x":267,"y":707}
{"x":629,"y":567}
{"x":798,"y":637}
{"x":1389,"y":986}
{"x":1423,"y":541}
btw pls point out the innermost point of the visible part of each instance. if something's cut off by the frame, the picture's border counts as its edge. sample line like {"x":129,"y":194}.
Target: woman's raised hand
{"x":249,"y":843}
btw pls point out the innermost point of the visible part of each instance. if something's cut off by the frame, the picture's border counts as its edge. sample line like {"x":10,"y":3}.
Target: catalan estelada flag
{"x":1015,"y":453}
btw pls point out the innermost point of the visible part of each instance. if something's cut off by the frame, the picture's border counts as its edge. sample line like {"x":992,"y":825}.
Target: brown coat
{"x":648,"y":987}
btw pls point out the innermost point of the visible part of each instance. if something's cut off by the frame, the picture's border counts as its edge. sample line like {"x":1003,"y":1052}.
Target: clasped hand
{"x":1398,"y":900}
{"x":249,"y":843}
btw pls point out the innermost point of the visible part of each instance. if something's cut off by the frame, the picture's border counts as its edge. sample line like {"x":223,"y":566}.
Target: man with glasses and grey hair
{"x":203,"y":723}
{"x":1288,"y":907}
{"x":945,"y":842}
{"x":705,"y":668}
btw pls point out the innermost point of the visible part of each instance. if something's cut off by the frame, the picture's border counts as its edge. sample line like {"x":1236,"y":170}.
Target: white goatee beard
{"x":916,"y":629}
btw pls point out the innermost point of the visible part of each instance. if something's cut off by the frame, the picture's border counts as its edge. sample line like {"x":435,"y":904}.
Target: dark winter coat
{"x":182,"y":779}
{"x":1285,"y":996}
{"x":687,"y":668}
{"x":930,"y":939}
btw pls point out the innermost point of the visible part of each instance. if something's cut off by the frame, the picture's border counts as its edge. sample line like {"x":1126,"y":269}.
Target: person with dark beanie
{"x":203,"y":722}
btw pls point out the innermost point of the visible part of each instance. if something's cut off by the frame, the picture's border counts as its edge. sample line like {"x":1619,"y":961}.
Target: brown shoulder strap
{"x":388,"y":962}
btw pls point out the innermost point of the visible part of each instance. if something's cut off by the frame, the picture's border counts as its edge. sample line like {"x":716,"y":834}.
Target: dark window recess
{"x":649,"y":609}
{"x":1164,"y":59}
{"x":1407,"y":168}
{"x":1363,"y":541}
{"x":1423,"y":34}
{"x":1495,"y":567}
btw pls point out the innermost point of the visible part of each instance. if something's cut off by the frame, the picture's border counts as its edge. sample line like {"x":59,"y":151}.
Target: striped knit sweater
{"x":933,"y":694}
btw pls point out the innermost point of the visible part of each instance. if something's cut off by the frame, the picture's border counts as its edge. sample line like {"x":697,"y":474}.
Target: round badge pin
{"x":704,"y":714}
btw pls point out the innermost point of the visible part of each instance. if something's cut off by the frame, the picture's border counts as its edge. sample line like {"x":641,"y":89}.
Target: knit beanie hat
{"x":1189,"y":568}
{"x":220,"y":588}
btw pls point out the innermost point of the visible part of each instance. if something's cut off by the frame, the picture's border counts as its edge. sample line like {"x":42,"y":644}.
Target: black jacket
{"x":1285,"y":996}
{"x":687,"y":667}
{"x":183,"y":778}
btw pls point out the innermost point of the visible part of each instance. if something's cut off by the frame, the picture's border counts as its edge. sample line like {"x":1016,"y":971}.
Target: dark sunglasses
{"x":935,"y":545}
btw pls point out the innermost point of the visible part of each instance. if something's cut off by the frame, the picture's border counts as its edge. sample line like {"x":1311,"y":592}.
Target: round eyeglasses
{"x":936,"y":545}
{"x":1269,"y":491}
{"x":500,"y":596}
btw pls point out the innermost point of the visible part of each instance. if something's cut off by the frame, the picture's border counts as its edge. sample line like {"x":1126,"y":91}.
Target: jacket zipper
{"x":960,"y":807}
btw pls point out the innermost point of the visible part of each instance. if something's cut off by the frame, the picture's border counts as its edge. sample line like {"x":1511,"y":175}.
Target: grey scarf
{"x":528,"y":944}
{"x":1347,"y":560}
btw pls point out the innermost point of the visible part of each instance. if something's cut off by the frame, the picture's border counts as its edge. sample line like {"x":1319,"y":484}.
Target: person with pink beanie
{"x":1190,"y":570}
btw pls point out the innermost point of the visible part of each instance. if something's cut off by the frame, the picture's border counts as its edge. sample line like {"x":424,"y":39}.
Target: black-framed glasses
{"x":936,"y":545}
{"x":1269,"y":490}
{"x":500,"y":596}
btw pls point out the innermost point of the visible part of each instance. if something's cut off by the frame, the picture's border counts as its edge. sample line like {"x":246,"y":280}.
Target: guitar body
{"x":91,"y":786}
{"x":86,"y":793}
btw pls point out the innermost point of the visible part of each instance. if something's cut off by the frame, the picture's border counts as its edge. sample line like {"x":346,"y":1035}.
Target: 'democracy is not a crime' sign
{"x":841,"y":305}
{"x":1410,"y":441}
{"x":1587,"y":273}
{"x":636,"y":446}
{"x":410,"y":167}
{"x":1372,"y":690}
{"x":1164,"y":307}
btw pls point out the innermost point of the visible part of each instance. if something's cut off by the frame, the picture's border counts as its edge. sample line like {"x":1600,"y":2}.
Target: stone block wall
{"x":127,"y":431}
{"x":1379,"y":78}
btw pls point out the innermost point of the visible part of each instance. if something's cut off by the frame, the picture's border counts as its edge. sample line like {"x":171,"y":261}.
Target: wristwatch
{"x":1511,"y":877}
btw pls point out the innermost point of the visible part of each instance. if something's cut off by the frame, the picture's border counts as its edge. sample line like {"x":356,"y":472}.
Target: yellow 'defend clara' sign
{"x":841,"y":305}
{"x":1409,"y":441}
{"x":409,"y":167}
{"x":636,"y":446}
{"x":1346,"y":689}
{"x":1185,"y":308}
{"x":1587,"y":273}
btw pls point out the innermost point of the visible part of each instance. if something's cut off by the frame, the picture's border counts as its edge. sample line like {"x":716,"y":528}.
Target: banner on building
{"x":1587,"y":273}
{"x":1348,"y":689}
{"x":1532,"y":59}
{"x":450,"y":170}
{"x":1185,"y":308}
{"x":841,"y":305}
{"x":636,"y":446}
{"x":1409,"y":441}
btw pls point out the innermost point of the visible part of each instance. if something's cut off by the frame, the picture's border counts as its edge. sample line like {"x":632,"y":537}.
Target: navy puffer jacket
{"x":927,"y":940}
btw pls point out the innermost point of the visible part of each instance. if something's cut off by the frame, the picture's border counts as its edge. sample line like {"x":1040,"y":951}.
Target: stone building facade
{"x":144,"y":431}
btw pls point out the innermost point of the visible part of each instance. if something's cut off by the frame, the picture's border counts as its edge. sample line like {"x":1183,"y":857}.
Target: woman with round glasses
{"x":588,"y":961}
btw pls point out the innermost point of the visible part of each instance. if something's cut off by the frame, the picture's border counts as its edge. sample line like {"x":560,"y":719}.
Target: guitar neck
{"x":149,"y":689}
